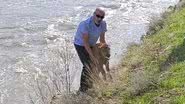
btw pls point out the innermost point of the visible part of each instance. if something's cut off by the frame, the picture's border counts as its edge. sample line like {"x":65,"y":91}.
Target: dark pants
{"x":86,"y":80}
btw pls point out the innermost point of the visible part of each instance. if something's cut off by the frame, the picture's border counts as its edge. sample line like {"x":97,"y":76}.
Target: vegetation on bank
{"x":153,"y":71}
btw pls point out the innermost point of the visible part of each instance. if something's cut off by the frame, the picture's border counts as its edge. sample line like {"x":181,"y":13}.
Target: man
{"x":88,"y":32}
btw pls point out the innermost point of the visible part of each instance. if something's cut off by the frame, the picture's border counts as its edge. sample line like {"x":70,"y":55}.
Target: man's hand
{"x":101,"y":45}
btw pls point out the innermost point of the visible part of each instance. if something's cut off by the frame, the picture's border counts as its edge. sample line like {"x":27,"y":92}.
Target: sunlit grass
{"x":156,"y":67}
{"x":152,"y":72}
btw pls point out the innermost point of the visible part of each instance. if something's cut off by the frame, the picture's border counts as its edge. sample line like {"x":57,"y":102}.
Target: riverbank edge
{"x":152,"y":72}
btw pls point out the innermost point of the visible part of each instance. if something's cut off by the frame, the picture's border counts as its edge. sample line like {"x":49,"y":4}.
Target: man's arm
{"x":87,"y":47}
{"x":102,"y":40}
{"x":102,"y":37}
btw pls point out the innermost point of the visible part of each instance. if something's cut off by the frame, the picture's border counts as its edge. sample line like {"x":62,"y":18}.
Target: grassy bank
{"x":153,"y":71}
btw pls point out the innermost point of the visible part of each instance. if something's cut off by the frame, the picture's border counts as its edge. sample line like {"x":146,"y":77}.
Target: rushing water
{"x":36,"y":38}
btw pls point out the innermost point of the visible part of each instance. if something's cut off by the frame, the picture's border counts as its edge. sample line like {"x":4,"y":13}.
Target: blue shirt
{"x":89,"y":27}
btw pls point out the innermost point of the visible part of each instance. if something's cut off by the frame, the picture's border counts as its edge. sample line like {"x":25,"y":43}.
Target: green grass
{"x":155,"y":68}
{"x":163,"y":55}
{"x":176,"y":77}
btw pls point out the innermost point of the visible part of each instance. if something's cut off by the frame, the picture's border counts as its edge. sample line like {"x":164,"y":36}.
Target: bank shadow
{"x":177,"y":55}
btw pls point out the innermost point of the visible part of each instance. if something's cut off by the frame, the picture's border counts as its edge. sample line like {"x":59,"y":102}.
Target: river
{"x":36,"y":39}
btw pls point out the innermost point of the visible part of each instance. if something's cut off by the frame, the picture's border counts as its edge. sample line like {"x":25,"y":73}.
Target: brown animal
{"x":102,"y":55}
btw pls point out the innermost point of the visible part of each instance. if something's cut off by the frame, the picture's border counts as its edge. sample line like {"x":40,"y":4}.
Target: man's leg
{"x":86,"y":81}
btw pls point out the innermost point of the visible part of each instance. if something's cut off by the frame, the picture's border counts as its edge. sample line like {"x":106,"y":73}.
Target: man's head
{"x":99,"y":14}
